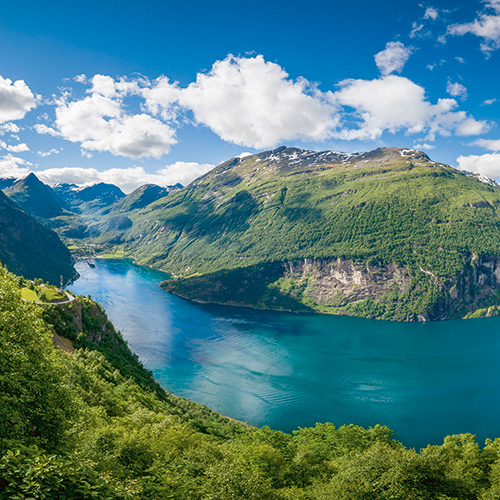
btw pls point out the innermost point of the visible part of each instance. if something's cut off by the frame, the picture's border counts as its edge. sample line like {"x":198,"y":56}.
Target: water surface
{"x":423,"y":380}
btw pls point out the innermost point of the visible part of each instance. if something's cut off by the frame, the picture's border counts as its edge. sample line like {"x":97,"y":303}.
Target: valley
{"x":387,"y":234}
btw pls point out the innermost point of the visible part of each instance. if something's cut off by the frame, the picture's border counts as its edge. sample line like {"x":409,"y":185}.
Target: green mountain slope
{"x":44,"y":203}
{"x":141,"y":197}
{"x":387,"y":234}
{"x":30,"y":249}
{"x":36,"y":198}
{"x":91,"y":423}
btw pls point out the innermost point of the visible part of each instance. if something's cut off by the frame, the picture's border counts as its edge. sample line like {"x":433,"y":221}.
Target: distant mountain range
{"x":89,"y":199}
{"x":385,"y":234}
{"x":70,"y":209}
{"x":29,"y":247}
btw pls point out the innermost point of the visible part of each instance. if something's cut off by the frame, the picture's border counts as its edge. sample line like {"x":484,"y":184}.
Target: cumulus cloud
{"x":9,"y":128}
{"x":431,"y":13}
{"x":13,"y":167}
{"x":485,"y":26}
{"x":393,"y":58}
{"x":16,"y":99}
{"x":127,"y":179}
{"x":471,"y":126}
{"x":98,"y":122}
{"x":489,"y":102}
{"x":394,"y":103}
{"x":44,"y":129}
{"x":456,"y":90}
{"x":17,"y":148}
{"x":254,"y":103}
{"x":487,"y":164}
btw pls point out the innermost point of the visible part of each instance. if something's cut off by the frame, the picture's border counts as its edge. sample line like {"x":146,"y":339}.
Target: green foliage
{"x":30,"y":474}
{"x":34,"y":405}
{"x":94,"y":425}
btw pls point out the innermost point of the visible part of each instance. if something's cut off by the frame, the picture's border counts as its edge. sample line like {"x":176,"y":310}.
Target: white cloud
{"x":10,"y":128}
{"x":470,"y":126}
{"x":489,"y":102}
{"x":251,"y":102}
{"x":13,"y":167}
{"x":491,"y":144}
{"x":16,"y":99}
{"x":431,"y":13}
{"x":52,"y":151}
{"x":394,"y":103}
{"x":424,"y":146}
{"x":99,"y":123}
{"x":485,"y":26}
{"x":487,"y":164}
{"x":416,"y":29}
{"x":17,"y":148}
{"x":393,"y":58}
{"x":161,"y":98}
{"x":80,"y":78}
{"x":456,"y":90}
{"x":44,"y":129}
{"x":127,"y":179}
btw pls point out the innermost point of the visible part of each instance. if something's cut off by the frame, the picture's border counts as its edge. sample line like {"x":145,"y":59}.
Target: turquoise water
{"x":424,"y":381}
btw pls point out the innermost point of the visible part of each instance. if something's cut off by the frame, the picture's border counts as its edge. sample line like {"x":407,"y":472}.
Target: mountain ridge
{"x":387,"y":207}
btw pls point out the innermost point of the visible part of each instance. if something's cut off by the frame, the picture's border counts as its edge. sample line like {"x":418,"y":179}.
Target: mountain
{"x":385,"y":234}
{"x":91,"y":198}
{"x":30,"y":249}
{"x":141,"y":197}
{"x":6,"y":182}
{"x":36,"y":198}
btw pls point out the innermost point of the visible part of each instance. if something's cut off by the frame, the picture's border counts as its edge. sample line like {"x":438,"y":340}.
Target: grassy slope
{"x":381,"y":207}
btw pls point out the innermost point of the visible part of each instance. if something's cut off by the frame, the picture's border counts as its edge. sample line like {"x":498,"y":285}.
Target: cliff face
{"x":473,"y":293}
{"x":396,"y":292}
{"x":338,"y":286}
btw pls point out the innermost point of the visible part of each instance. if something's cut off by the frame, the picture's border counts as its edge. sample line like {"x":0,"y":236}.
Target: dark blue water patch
{"x":423,"y":380}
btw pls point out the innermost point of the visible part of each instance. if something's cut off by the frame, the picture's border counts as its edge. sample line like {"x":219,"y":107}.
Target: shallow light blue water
{"x":424,"y":381}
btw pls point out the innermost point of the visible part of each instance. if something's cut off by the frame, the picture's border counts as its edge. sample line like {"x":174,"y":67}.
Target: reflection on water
{"x":284,"y":370}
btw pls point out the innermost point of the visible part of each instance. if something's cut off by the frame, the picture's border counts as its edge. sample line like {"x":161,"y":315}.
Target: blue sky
{"x":157,"y":91}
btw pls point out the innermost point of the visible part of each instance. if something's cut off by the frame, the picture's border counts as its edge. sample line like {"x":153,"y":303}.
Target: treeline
{"x":93,"y":424}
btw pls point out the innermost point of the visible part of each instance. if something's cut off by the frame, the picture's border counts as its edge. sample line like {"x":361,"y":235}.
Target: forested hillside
{"x":91,"y":423}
